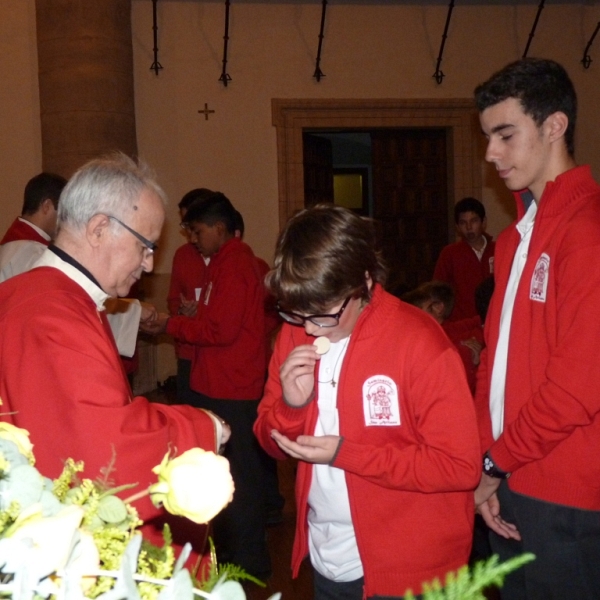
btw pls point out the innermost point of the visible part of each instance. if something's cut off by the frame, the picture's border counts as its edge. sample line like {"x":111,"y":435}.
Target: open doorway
{"x":396,"y":176}
{"x":452,"y":120}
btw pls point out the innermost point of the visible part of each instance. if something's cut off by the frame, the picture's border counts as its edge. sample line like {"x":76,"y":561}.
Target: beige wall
{"x":370,"y":51}
{"x":20,"y":135}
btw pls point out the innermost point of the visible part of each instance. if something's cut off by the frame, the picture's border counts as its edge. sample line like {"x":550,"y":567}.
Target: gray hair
{"x":109,"y":185}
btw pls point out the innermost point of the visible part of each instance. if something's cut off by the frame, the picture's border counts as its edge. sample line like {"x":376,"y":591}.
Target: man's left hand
{"x":309,"y":448}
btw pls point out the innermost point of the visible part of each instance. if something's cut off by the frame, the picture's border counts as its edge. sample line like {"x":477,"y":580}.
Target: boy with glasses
{"x":379,"y":417}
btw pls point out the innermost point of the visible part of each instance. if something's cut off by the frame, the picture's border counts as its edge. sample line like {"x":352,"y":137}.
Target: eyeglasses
{"x":331,"y":320}
{"x":151,"y":247}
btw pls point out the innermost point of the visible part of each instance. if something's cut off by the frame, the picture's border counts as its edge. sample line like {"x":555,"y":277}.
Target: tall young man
{"x":466,"y":263}
{"x":537,"y":394}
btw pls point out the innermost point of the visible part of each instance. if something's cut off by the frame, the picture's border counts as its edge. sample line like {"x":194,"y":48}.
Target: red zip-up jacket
{"x":410,"y":485}
{"x":551,"y":437}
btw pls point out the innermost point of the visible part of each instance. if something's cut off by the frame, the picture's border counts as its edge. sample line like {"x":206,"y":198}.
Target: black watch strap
{"x":490,"y":468}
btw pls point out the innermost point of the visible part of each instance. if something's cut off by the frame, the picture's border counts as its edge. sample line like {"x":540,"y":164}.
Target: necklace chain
{"x":342,"y":353}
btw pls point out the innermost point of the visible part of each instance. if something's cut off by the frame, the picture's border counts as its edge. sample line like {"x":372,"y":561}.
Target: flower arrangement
{"x":72,"y":538}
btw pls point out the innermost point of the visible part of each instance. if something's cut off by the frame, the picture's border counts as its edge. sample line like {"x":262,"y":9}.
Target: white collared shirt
{"x":331,"y":538}
{"x":480,"y":252}
{"x":498,"y":382}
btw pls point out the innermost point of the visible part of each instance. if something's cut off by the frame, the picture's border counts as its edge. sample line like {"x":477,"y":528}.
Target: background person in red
{"x":466,"y":263}
{"x":382,"y":423}
{"x":228,"y":371}
{"x":188,"y":278}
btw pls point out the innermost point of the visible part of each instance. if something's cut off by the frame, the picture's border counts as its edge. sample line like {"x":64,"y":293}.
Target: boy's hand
{"x":309,"y":448}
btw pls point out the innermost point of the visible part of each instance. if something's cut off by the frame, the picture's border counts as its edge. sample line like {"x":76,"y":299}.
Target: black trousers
{"x":184,"y":394}
{"x":566,"y":542}
{"x":240,"y":528}
{"x":325,"y":589}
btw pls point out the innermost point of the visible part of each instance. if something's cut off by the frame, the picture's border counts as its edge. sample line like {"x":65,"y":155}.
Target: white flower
{"x":51,"y":538}
{"x":196,"y":485}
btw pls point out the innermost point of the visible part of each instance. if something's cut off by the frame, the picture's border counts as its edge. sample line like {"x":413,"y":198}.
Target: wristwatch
{"x":490,"y":468}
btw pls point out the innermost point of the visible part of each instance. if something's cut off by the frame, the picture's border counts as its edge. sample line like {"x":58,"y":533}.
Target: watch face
{"x":488,"y":465}
{"x":490,"y":469}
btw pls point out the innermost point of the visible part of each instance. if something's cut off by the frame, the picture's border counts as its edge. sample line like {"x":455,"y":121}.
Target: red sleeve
{"x":223,"y":314}
{"x":176,"y":285}
{"x":76,"y":401}
{"x":273,"y":412}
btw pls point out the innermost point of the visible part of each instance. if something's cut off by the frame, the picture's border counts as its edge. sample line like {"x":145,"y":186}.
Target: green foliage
{"x":216,"y":572}
{"x":469,"y":584}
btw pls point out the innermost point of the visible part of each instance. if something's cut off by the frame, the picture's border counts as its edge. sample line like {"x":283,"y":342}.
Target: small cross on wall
{"x":206,"y":111}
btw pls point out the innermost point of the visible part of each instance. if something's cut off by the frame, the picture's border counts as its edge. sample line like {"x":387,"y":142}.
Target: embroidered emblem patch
{"x":539,"y":279}
{"x":381,"y":404}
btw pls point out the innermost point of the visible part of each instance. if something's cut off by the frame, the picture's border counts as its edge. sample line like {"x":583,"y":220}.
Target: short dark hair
{"x":432,"y":291}
{"x":45,"y":186}
{"x":216,"y":208}
{"x":239,"y":223}
{"x":542,"y":86}
{"x":323,"y":256}
{"x":468,"y":205}
{"x":194,"y":196}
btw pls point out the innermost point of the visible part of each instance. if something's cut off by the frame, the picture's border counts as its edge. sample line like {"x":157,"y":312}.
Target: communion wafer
{"x":323,"y":344}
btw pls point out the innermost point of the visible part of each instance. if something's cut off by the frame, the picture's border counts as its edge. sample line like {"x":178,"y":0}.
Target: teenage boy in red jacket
{"x":228,"y":371}
{"x":538,"y":382}
{"x":188,"y":275}
{"x":382,"y":423}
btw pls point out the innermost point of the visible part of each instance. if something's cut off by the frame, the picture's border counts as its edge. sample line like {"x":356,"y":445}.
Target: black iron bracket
{"x":587,"y":59}
{"x":439,"y":74}
{"x":155,"y":66}
{"x":225,"y":78}
{"x":318,"y":73}
{"x":532,"y":32}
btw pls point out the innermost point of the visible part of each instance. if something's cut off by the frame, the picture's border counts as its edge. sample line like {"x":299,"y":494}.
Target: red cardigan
{"x":229,"y":331}
{"x":19,"y":230}
{"x":61,"y":379}
{"x":187,"y":274}
{"x":459,"y":266}
{"x":410,"y":485}
{"x":551,"y":438}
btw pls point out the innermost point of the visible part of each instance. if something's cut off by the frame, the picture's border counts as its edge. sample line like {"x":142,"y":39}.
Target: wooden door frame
{"x":458,"y":116}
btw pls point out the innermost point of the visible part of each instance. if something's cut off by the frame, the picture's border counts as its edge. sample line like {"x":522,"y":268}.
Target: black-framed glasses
{"x":331,"y":320}
{"x":151,"y":247}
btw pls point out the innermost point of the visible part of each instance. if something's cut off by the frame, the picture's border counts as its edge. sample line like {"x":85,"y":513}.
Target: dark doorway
{"x":405,"y":189}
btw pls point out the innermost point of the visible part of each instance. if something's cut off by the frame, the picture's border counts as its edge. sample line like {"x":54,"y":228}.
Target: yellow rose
{"x":196,"y":485}
{"x":18,"y":436}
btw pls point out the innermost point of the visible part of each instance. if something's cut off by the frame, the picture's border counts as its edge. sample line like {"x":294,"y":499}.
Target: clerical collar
{"x":71,"y":261}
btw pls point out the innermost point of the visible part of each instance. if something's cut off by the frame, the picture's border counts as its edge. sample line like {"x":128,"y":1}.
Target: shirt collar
{"x":525,"y":225}
{"x":36,"y":228}
{"x":59,"y":259}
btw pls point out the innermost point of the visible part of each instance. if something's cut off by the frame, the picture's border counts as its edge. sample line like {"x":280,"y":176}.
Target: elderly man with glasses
{"x":61,"y":377}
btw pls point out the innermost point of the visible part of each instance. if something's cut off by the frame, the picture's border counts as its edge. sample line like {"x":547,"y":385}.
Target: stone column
{"x":85,"y":60}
